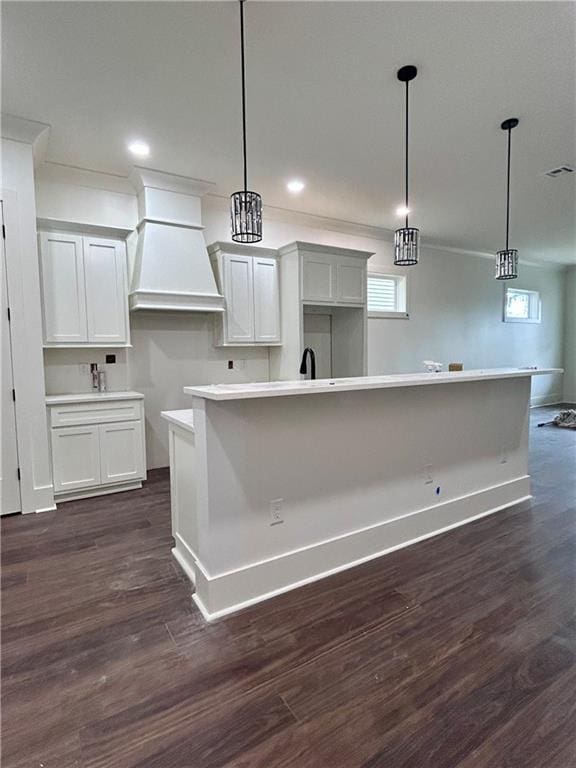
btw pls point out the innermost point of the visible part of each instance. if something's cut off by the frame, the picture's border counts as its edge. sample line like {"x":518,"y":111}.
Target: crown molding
{"x":371,"y":232}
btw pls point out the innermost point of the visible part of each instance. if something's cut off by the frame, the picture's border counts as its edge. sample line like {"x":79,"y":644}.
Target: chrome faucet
{"x":303,"y":367}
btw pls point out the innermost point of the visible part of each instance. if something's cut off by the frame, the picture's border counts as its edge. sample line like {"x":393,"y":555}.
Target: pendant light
{"x":507,"y":260}
{"x":245,"y":206}
{"x":406,"y":239}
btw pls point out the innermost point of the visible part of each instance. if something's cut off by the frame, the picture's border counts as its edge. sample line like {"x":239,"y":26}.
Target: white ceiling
{"x":324,"y":104}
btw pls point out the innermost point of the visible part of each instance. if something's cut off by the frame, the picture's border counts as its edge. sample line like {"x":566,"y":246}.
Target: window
{"x":386,"y":295}
{"x":521,"y":306}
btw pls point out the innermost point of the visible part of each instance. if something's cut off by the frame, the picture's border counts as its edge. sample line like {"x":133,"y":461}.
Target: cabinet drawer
{"x":95,"y":413}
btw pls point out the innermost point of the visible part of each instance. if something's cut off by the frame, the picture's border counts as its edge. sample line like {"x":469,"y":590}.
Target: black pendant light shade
{"x":406,"y":239}
{"x":507,"y":259}
{"x":245,"y":206}
{"x":246,"y":213}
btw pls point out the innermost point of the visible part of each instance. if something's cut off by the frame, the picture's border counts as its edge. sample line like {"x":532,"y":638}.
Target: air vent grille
{"x":560,"y":171}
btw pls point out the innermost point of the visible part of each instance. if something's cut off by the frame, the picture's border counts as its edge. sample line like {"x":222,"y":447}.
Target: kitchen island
{"x":277,"y":484}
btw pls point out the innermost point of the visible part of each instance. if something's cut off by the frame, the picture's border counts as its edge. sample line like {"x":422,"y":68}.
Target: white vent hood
{"x":172,"y":270}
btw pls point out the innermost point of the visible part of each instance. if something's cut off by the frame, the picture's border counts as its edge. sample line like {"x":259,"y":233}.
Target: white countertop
{"x":320,"y":386}
{"x":184,"y":418}
{"x":92,"y":397}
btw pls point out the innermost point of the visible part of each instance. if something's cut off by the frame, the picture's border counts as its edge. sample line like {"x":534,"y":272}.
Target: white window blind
{"x":386,"y":295}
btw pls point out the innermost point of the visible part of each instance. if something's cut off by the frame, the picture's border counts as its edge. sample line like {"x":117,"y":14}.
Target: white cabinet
{"x":63,"y":294}
{"x":106,"y":303}
{"x":84,"y":290}
{"x":333,"y":278}
{"x":319,"y":282}
{"x":121,"y":456}
{"x":249,"y":279}
{"x":266,"y":300}
{"x":76,"y":458}
{"x":239,"y":295}
{"x":100,"y":448}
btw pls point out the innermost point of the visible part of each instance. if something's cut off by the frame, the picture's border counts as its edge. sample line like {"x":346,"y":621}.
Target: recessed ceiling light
{"x":402,"y":210}
{"x":139,"y":148}
{"x":295,"y":186}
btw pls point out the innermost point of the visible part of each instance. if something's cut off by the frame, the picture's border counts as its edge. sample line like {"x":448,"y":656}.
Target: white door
{"x":105,"y":273}
{"x":63,"y":292}
{"x":75,"y":457}
{"x":352,"y":282}
{"x":239,"y":287}
{"x":9,"y":482}
{"x":266,"y":300}
{"x":318,"y":336}
{"x":121,"y":452}
{"x":318,"y":279}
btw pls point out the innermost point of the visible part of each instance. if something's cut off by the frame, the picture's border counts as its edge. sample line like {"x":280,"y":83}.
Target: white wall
{"x":26,"y":325}
{"x":570,"y":336}
{"x":456,"y":309}
{"x":171,"y":350}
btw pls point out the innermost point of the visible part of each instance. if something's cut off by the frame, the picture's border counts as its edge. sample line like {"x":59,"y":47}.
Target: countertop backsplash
{"x":63,"y":369}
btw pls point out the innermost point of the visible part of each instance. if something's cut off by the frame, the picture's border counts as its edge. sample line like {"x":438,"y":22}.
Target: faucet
{"x":303,"y":368}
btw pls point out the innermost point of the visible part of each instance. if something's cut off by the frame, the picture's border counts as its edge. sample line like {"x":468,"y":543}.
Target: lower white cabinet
{"x":76,"y":457}
{"x":121,"y":452}
{"x":101,"y":449}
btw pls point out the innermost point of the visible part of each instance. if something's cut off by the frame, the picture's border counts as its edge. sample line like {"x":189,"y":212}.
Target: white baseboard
{"x":221,"y":594}
{"x":88,"y":493}
{"x":540,"y":400}
{"x":185,"y":557}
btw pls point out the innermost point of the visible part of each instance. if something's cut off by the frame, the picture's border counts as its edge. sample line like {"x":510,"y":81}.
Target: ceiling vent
{"x":560,"y":171}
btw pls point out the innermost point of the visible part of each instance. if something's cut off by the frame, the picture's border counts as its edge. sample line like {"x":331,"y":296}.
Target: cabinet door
{"x":266,"y":300}
{"x":239,"y":292}
{"x":318,"y":279}
{"x":121,"y":452}
{"x":75,"y":458}
{"x":63,"y":293}
{"x":106,"y":296}
{"x":352,"y":282}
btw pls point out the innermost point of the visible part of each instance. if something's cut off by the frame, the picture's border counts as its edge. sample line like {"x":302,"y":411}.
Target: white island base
{"x":277,"y":485}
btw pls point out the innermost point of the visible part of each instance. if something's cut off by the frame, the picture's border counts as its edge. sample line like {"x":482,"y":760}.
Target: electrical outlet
{"x":241,"y":365}
{"x":428,"y":477}
{"x":230,"y":365}
{"x":276,"y":511}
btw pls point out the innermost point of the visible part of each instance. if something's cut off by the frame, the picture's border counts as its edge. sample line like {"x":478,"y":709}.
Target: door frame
{"x":36,"y":488}
{"x":9,"y":357}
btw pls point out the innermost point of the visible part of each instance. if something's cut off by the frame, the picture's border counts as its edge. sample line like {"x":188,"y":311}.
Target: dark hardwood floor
{"x":459,"y":652}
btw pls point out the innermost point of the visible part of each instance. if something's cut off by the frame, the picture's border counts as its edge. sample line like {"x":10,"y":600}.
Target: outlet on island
{"x":276,"y":515}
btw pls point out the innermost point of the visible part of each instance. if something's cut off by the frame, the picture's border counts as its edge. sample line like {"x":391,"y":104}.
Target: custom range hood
{"x":172,"y":270}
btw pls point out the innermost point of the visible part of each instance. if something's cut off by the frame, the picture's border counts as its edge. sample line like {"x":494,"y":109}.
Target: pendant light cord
{"x":508,"y":188}
{"x":243,"y":94}
{"x":406,"y":155}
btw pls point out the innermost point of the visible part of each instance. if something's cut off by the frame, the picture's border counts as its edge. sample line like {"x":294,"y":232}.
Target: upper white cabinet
{"x":266,"y":300}
{"x":84,"y":290}
{"x":337,"y":277}
{"x":249,"y":279}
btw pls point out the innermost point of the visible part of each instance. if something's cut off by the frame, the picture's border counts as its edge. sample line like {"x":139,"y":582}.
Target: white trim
{"x":231,"y":591}
{"x":79,"y":228}
{"x":344,"y":227}
{"x":46,"y":509}
{"x":539,"y":400}
{"x":101,"y":491}
{"x":185,"y":558}
{"x":176,"y":301}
